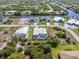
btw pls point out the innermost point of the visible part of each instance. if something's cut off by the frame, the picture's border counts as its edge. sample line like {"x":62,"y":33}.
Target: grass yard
{"x":49,"y":31}
{"x":1,"y":28}
{"x":30,"y":33}
{"x":42,"y":26}
{"x":52,"y":20}
{"x":64,"y":48}
{"x":42,"y":23}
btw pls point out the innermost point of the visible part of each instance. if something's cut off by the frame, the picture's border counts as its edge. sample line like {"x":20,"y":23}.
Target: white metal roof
{"x":76,"y":22}
{"x":39,"y":31}
{"x":57,"y":18}
{"x":23,"y":30}
{"x":72,"y":21}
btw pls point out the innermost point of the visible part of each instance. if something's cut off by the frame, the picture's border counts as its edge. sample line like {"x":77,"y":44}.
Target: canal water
{"x":72,"y":14}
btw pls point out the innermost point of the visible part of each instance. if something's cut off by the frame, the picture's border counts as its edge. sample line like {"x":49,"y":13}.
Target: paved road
{"x":50,"y":8}
{"x":74,"y":35}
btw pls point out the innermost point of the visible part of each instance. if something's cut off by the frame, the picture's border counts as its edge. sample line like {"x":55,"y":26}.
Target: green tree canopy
{"x":17,"y":56}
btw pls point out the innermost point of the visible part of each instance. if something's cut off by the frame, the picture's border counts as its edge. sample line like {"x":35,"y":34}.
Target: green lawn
{"x":64,"y":48}
{"x":52,"y":20}
{"x":30,"y":33}
{"x":1,"y":29}
{"x":42,"y":23}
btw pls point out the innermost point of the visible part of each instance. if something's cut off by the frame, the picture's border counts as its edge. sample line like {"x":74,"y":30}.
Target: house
{"x":22,"y":31}
{"x":58,"y":19}
{"x":45,"y":18}
{"x":23,"y":19}
{"x":39,"y":33}
{"x":10,"y":12}
{"x":36,"y":19}
{"x":26,"y":13}
{"x":76,"y":23}
{"x":73,"y":22}
{"x":28,"y":18}
{"x":70,"y":22}
{"x":69,"y":55}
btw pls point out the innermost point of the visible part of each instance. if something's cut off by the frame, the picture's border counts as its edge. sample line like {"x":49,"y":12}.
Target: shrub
{"x":54,"y":42}
{"x":20,"y":49}
{"x":22,"y":44}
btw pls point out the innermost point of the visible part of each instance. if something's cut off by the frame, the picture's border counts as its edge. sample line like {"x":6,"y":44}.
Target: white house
{"x":76,"y":23}
{"x":10,"y":12}
{"x":22,"y":31}
{"x":73,"y":22}
{"x":58,"y":19}
{"x":70,"y":22}
{"x":40,"y":33}
{"x":24,"y":19}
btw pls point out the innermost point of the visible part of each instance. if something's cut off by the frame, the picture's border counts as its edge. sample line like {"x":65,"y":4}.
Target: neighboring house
{"x":26,"y":13}
{"x":10,"y":12}
{"x":76,"y":23}
{"x":36,"y":19}
{"x":39,"y":33}
{"x":22,"y":31}
{"x":70,"y":22}
{"x":58,"y":19}
{"x":73,"y":22}
{"x":23,"y":19}
{"x":69,"y":54}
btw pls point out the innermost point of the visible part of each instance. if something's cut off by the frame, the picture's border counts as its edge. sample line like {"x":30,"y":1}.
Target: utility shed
{"x":40,"y":33}
{"x":22,"y":31}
